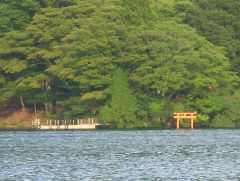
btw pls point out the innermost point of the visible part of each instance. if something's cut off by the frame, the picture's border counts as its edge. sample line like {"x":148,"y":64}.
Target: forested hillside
{"x":130,"y":63}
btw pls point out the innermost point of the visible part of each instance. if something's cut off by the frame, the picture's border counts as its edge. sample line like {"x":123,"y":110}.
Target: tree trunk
{"x":22,"y":103}
{"x":46,"y":107}
{"x":35,"y":109}
{"x":54,"y":104}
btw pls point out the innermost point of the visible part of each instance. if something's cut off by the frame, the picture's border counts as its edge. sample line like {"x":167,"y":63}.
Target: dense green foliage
{"x":129,"y":63}
{"x":121,"y":109}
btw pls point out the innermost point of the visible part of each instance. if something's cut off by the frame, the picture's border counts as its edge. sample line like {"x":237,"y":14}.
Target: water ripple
{"x":121,"y":155}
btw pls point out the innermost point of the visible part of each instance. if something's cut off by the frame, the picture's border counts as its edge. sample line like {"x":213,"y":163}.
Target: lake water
{"x":121,"y":155}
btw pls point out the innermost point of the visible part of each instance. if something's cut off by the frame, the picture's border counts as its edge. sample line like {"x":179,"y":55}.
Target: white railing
{"x":89,"y":123}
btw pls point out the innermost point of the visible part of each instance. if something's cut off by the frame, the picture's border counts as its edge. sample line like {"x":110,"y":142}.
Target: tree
{"x":120,"y":110}
{"x":218,"y":21}
{"x":88,"y":51}
{"x":16,"y":14}
{"x":46,"y":32}
{"x":13,"y":65}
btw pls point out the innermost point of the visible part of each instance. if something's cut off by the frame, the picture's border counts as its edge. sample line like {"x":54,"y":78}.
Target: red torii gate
{"x":182,"y":115}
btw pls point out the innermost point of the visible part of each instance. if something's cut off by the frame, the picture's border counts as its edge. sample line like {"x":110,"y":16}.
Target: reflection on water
{"x":121,"y":155}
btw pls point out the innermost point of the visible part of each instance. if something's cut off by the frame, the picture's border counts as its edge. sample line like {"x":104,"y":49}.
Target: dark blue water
{"x":121,"y":155}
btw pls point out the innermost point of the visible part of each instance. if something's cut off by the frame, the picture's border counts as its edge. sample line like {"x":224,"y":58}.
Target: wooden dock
{"x":78,"y":124}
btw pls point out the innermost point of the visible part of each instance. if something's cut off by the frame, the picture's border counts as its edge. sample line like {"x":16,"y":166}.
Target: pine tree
{"x":120,"y":110}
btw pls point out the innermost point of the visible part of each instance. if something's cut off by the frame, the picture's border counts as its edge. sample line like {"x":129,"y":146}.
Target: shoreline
{"x":102,"y":129}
